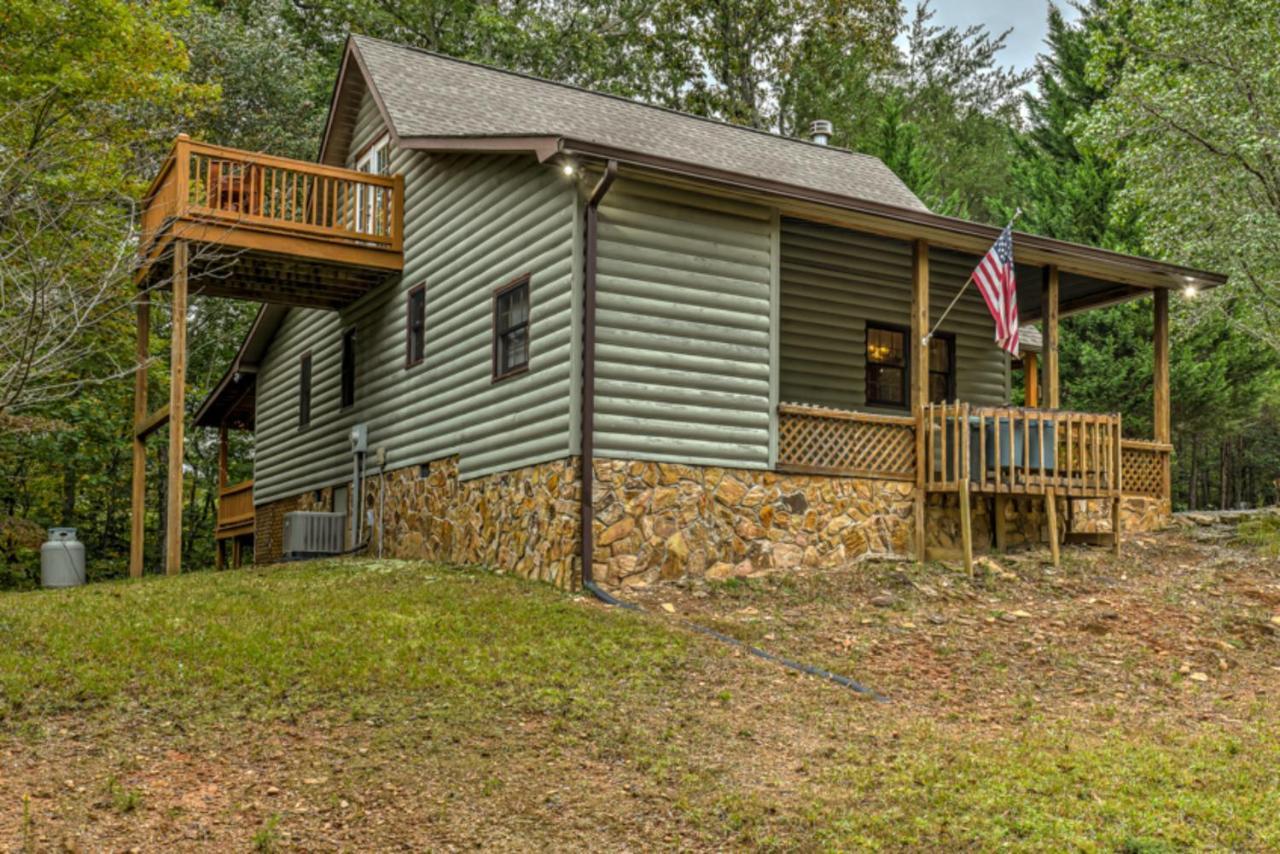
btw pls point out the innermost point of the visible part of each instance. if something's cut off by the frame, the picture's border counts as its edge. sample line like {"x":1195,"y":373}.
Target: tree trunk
{"x":1224,"y":468}
{"x":1195,"y":475}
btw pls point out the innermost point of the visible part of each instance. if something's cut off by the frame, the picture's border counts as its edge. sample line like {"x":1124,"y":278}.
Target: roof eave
{"x":942,"y":231}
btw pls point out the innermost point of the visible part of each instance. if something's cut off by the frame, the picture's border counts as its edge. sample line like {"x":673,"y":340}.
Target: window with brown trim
{"x":511,"y":328}
{"x":887,"y":366}
{"x":304,"y":391}
{"x":415,"y":326}
{"x":942,"y":367}
{"x":348,"y":366}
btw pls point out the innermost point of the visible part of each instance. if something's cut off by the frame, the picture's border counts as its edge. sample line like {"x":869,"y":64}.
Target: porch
{"x":872,"y":388}
{"x":222,"y":222}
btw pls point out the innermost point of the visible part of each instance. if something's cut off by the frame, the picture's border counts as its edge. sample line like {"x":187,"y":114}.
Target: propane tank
{"x":62,"y":559}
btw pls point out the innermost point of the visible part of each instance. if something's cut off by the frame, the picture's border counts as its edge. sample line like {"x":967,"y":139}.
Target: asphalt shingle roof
{"x":431,"y":95}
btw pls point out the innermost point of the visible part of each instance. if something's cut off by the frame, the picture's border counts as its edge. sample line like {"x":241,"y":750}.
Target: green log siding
{"x":472,"y":224}
{"x":835,"y":281}
{"x":683,"y":341}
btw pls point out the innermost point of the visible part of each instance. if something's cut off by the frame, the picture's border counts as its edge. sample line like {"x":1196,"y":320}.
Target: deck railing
{"x":816,"y":440}
{"x":224,"y":185}
{"x":235,"y":506}
{"x":1019,"y":450}
{"x":1145,"y":467}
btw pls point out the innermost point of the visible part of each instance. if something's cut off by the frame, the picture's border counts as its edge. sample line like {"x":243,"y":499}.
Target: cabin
{"x":512,"y":322}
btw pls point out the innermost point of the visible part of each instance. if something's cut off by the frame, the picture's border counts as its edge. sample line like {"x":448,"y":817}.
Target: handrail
{"x":1021,"y":450}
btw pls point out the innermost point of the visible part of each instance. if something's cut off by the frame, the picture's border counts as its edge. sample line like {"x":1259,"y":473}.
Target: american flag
{"x":994,"y":278}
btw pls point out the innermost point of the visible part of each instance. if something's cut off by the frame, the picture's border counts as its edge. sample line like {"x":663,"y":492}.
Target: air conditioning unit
{"x":310,"y":534}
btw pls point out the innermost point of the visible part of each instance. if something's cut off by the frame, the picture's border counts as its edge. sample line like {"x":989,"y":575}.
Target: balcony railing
{"x":235,"y":509}
{"x":258,"y":192}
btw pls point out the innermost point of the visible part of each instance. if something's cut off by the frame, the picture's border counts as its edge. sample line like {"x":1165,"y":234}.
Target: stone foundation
{"x":664,"y":520}
{"x":525,"y":521}
{"x":1138,"y":513}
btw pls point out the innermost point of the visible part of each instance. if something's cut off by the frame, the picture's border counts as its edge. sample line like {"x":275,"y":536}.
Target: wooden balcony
{"x":270,"y":229}
{"x":235,"y":511}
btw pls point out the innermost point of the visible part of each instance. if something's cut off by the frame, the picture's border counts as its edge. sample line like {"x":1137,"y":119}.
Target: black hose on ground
{"x":844,"y":681}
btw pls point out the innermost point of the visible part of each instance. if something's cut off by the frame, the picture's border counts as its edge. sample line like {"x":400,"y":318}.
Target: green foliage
{"x":1190,"y":120}
{"x":1262,"y":533}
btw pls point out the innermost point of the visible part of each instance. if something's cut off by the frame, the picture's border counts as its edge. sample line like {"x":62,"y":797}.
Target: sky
{"x":1027,"y":17}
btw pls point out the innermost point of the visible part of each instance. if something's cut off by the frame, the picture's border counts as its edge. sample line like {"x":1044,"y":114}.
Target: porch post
{"x":919,"y":367}
{"x":177,"y":382}
{"x":1031,"y":374}
{"x":1160,"y":360}
{"x":1163,"y":422}
{"x":138,"y":504}
{"x":1049,"y":311}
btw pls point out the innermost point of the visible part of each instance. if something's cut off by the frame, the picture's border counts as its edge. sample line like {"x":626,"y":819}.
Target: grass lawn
{"x":378,"y":705}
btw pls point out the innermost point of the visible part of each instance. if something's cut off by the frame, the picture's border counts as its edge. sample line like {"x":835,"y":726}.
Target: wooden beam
{"x":1160,"y":363}
{"x":966,"y":525}
{"x":919,"y":366}
{"x":1049,"y":308}
{"x":1031,"y":378}
{"x":177,"y":395}
{"x":151,"y":423}
{"x":138,"y":499}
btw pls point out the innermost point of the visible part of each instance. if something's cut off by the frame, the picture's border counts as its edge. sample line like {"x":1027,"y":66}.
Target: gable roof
{"x":426,"y":96}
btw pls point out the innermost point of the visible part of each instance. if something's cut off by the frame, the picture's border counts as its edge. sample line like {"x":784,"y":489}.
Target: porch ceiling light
{"x":568,"y":168}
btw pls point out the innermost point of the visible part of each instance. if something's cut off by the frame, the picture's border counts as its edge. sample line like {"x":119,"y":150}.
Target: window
{"x":511,"y":328}
{"x":372,"y":202}
{"x":942,"y":368}
{"x":886,"y":366}
{"x":415,"y":326}
{"x":304,"y":391}
{"x":348,"y":366}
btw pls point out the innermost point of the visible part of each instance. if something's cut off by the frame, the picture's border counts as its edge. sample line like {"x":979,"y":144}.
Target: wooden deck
{"x":271,"y":229}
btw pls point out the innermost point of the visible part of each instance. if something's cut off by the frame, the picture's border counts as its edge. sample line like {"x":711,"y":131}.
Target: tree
{"x":1191,"y":123}
{"x":82,"y":85}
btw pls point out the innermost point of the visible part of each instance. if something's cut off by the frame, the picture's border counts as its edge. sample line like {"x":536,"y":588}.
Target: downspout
{"x":589,"y":380}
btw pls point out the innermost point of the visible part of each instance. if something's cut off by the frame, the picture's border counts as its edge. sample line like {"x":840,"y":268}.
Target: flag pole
{"x":924,"y":342}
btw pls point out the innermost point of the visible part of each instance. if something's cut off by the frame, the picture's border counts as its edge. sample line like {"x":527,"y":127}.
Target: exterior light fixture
{"x":568,"y":169}
{"x":1190,"y":292}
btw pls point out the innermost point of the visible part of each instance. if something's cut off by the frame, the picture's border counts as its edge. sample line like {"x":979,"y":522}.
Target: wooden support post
{"x":1117,"y":467}
{"x":919,"y":367}
{"x":1051,"y":514}
{"x":1001,"y":509}
{"x":138,"y":510}
{"x":177,"y":391}
{"x":1031,"y":376}
{"x":1049,"y":311}
{"x":235,"y":552}
{"x":1163,"y":423}
{"x":966,"y":526}
{"x":217,"y":553}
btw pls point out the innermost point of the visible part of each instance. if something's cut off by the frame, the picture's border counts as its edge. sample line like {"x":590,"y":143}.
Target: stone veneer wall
{"x":524,"y":521}
{"x":664,"y":520}
{"x":1138,"y":513}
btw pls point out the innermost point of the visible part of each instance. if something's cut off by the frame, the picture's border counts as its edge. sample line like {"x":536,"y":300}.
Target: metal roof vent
{"x":820,"y":131}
